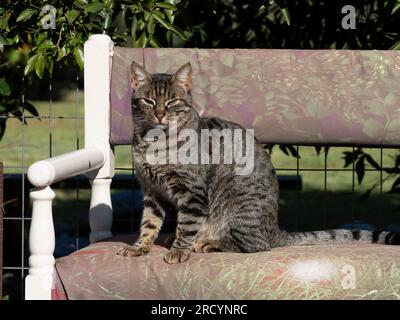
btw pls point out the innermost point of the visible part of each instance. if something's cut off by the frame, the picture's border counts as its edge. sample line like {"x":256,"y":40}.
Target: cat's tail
{"x":336,"y":236}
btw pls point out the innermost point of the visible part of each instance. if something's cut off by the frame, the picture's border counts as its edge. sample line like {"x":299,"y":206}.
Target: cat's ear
{"x":139,"y":76}
{"x":183,"y":77}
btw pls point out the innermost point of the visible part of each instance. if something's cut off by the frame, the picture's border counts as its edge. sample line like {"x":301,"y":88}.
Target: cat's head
{"x":158,"y":99}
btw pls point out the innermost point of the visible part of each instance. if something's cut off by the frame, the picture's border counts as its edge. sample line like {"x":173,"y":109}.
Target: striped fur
{"x":217,"y":210}
{"x":340,"y":236}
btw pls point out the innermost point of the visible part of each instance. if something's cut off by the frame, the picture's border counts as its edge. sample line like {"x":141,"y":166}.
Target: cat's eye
{"x":173,"y":102}
{"x":148,"y":101}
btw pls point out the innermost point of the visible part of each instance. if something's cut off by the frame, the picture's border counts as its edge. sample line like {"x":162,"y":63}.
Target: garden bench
{"x":306,"y":97}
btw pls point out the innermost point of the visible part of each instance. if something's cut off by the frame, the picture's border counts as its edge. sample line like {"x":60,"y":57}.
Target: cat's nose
{"x":160,"y":115}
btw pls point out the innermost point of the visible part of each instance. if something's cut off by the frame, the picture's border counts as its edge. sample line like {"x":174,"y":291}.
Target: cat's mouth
{"x":161,"y":126}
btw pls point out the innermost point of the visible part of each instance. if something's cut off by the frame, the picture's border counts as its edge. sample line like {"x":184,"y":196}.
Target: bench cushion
{"x":353,"y":271}
{"x":338,"y":97}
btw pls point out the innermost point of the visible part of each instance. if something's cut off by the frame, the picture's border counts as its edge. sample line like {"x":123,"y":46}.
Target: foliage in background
{"x":297,"y":24}
{"x":27,"y":48}
{"x":359,"y":158}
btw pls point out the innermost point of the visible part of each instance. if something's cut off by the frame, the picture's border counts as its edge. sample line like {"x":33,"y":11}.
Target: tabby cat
{"x":217,"y":210}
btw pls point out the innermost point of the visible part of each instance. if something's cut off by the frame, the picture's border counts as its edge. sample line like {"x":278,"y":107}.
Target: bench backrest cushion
{"x":337,"y":97}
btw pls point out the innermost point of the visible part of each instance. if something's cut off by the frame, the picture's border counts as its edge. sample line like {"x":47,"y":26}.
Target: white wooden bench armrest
{"x":45,"y":172}
{"x":41,"y":236}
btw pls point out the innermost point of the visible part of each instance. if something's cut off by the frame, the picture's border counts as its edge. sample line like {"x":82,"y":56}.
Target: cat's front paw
{"x":177,"y":256}
{"x":132,"y":251}
{"x":208,"y":246}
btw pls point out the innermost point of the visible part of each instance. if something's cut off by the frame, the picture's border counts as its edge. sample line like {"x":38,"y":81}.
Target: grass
{"x":23,"y":145}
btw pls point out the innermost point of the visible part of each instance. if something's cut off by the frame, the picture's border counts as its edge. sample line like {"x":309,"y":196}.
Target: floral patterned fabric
{"x":352,"y":271}
{"x":288,"y":96}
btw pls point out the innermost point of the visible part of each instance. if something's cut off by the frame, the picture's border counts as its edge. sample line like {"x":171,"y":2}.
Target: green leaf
{"x":349,"y":158}
{"x":109,"y":4}
{"x":286,"y":15}
{"x":396,"y":46}
{"x":47,"y":44}
{"x":284,"y":150}
{"x":50,"y":66}
{"x":146,"y":15}
{"x":5,"y":89}
{"x":166,"y":5}
{"x":39,"y":66}
{"x":80,"y":3}
{"x":151,"y":27}
{"x":8,"y":41}
{"x":134,"y":28}
{"x":78,"y":54}
{"x":30,"y":65}
{"x":4,"y":22}
{"x":14,"y":56}
{"x":30,"y":108}
{"x":71,"y":15}
{"x":360,"y":169}
{"x":318,"y":149}
{"x":142,"y":41}
{"x":169,"y":26}
{"x":62,"y":52}
{"x":120,"y":23}
{"x":94,"y":7}
{"x":294,"y":152}
{"x":395,"y":184}
{"x":396,"y":8}
{"x":25,"y":15}
{"x":372,"y":162}
{"x":3,"y":40}
{"x":14,"y":40}
{"x":107,"y":21}
{"x":18,"y":114}
{"x":170,"y":14}
{"x":154,"y":43}
{"x":150,"y":3}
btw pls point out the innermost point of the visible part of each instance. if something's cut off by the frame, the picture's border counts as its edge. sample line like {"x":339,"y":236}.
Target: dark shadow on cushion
{"x":163,"y":240}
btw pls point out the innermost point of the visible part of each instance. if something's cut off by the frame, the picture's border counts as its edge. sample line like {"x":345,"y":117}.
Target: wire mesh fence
{"x":323,"y":194}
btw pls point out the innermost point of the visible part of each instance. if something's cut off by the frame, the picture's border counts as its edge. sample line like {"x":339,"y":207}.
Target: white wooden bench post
{"x":41,"y":246}
{"x":98,"y":58}
{"x":96,"y":160}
